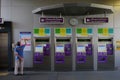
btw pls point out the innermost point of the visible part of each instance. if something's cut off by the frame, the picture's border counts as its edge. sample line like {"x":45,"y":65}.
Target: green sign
{"x":36,"y":31}
{"x":57,"y":31}
{"x":100,"y":30}
{"x":79,"y":30}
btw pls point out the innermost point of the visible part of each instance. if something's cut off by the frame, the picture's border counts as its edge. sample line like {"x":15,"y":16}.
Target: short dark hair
{"x":18,"y":43}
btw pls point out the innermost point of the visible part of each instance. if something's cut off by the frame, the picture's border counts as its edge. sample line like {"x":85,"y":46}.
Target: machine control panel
{"x":62,"y":49}
{"x":42,"y":48}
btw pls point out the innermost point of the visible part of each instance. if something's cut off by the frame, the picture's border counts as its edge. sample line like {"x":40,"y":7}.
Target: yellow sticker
{"x":41,"y":32}
{"x":105,"y":32}
{"x":63,"y":31}
{"x":117,"y":45}
{"x":84,"y":32}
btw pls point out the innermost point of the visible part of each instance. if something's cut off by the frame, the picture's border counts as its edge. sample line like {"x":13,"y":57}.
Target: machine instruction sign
{"x":84,"y":32}
{"x":96,"y":20}
{"x":63,"y":32}
{"x":51,"y":20}
{"x":105,"y":31}
{"x":42,"y":32}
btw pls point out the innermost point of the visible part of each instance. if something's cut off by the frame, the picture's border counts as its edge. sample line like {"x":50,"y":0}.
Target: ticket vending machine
{"x":42,"y":49}
{"x":105,"y":54}
{"x":42,"y":59}
{"x":84,"y":53}
{"x":63,"y":54}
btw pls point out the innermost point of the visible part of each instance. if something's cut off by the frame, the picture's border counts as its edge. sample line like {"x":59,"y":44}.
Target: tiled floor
{"x":81,"y":75}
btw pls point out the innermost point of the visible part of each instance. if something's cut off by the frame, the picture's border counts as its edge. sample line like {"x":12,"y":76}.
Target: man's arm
{"x":25,"y":40}
{"x":16,"y":54}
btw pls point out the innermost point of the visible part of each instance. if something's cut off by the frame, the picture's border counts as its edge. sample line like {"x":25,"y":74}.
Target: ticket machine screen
{"x":102,"y":48}
{"x":81,"y":49}
{"x":102,"y":53}
{"x":60,"y":49}
{"x":39,"y":49}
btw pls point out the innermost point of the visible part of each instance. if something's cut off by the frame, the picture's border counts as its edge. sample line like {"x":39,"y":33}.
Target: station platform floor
{"x":80,"y":75}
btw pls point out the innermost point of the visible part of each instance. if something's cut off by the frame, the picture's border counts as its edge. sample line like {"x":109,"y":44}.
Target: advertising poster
{"x":26,"y":35}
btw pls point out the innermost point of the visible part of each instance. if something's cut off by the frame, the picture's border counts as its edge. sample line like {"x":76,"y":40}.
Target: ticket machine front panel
{"x":105,"y":54}
{"x":42,"y":54}
{"x":84,"y":54}
{"x":63,"y":54}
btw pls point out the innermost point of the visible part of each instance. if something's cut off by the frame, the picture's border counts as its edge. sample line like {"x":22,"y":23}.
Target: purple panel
{"x":68,"y":50}
{"x":89,"y":49}
{"x":47,"y":45}
{"x":102,"y":54}
{"x":51,"y":20}
{"x":109,"y":52}
{"x":47,"y":53}
{"x":67,"y":53}
{"x":109,"y":49}
{"x":46,"y":50}
{"x":96,"y":19}
{"x":102,"y":57}
{"x":38,"y":58}
{"x":81,"y":58}
{"x":59,"y":58}
{"x":89,"y":45}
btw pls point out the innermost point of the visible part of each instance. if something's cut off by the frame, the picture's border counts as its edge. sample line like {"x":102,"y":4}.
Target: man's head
{"x":18,"y":43}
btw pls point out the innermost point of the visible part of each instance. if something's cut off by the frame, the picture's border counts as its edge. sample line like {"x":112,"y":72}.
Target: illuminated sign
{"x":96,"y":20}
{"x":51,"y":20}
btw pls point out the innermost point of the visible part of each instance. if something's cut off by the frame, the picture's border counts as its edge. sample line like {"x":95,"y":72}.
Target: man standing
{"x":19,"y":58}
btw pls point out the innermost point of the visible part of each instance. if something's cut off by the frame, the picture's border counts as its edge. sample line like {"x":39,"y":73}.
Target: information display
{"x":60,"y":49}
{"x":39,"y":49}
{"x":81,"y":49}
{"x":102,"y":48}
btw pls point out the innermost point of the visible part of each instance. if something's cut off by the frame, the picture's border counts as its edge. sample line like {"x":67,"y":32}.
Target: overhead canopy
{"x":74,"y":9}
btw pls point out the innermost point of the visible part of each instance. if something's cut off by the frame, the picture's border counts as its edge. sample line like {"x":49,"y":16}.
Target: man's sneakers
{"x":18,"y":74}
{"x":21,"y":74}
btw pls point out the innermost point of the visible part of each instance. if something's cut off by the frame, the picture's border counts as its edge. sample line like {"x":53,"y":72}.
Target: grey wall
{"x":20,"y":13}
{"x":0,"y":8}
